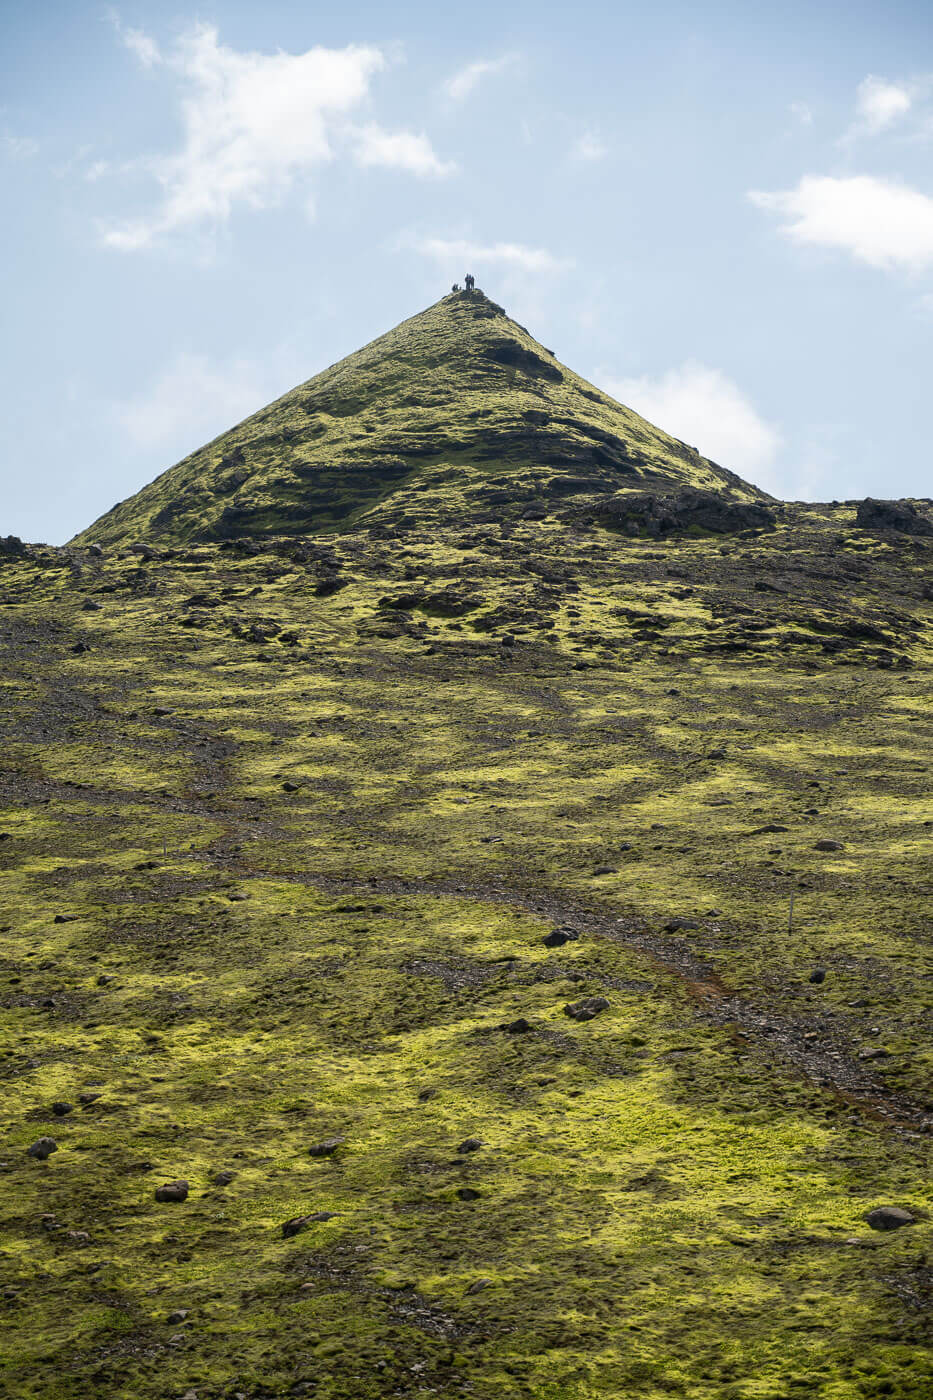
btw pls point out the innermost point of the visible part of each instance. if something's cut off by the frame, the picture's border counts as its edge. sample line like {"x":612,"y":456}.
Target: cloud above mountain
{"x":454,"y":251}
{"x":254,"y":124}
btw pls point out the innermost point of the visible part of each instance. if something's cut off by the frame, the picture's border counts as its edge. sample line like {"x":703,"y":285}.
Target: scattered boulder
{"x":559,"y":936}
{"x":42,"y":1148}
{"x":605,"y":870}
{"x":901,"y":516}
{"x":678,"y":924}
{"x":327,"y":1148}
{"x":62,"y":1109}
{"x":818,"y":975}
{"x":223,"y":1178}
{"x":586,"y":1009}
{"x":468,"y":1193}
{"x":470,"y":1145}
{"x":172,"y":1191}
{"x":177,"y":1316}
{"x":889,"y":1218}
{"x":478,"y":1285}
{"x":827,"y":845}
{"x":518,"y":1027}
{"x":301,"y":1222}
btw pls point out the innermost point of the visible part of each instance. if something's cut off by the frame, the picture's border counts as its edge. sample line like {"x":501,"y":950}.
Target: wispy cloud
{"x":705,"y":408}
{"x":461,"y":250}
{"x":192,"y":400}
{"x":139,"y":43}
{"x":803,"y":113}
{"x":880,"y":104}
{"x":460,"y":84}
{"x":876,"y":221}
{"x":255,"y":123}
{"x":400,"y":150}
{"x":883,"y":105}
{"x":145,"y":48}
{"x":18,"y":147}
{"x":589,"y":147}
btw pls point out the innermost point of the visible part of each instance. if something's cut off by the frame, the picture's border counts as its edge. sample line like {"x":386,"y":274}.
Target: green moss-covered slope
{"x":284,"y":825}
{"x":458,"y":411}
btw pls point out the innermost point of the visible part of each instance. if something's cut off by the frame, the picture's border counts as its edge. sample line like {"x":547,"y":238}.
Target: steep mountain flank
{"x":458,"y":413}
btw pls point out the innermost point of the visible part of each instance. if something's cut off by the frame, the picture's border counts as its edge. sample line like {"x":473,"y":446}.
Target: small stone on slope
{"x":889,"y":1218}
{"x":42,"y":1148}
{"x":586,"y":1009}
{"x":326,"y":1148}
{"x":172,"y":1191}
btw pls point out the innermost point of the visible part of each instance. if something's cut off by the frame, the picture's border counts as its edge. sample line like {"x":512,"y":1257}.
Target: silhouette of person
{"x":469,"y":281}
{"x":455,"y":287}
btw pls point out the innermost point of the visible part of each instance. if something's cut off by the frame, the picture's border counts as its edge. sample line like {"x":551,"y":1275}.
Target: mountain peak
{"x":456,"y":413}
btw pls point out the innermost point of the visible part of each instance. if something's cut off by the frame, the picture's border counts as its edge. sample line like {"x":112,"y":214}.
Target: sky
{"x":720,"y":211}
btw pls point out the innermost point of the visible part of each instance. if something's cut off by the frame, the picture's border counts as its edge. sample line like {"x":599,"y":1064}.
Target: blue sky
{"x":721,"y":212}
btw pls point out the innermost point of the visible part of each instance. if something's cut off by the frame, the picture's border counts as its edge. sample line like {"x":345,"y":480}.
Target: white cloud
{"x":460,"y":84}
{"x":879,"y":104}
{"x":803,"y":112}
{"x":880,"y":223}
{"x":706,"y":409}
{"x":18,"y":147}
{"x":589,"y":147}
{"x":462,"y":250}
{"x":253,"y":123}
{"x":402,"y":150}
{"x":145,"y":48}
{"x":142,"y":45}
{"x":191,"y":401}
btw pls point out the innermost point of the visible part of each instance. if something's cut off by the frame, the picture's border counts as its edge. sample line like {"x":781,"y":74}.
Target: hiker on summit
{"x":455,"y":287}
{"x":469,"y":281}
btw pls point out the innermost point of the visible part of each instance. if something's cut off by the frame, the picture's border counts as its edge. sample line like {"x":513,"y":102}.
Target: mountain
{"x":477,"y":946}
{"x":456,"y":412}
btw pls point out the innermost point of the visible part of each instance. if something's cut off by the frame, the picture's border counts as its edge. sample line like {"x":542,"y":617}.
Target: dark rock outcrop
{"x":901,"y":516}
{"x":514,"y":355}
{"x":687,"y":512}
